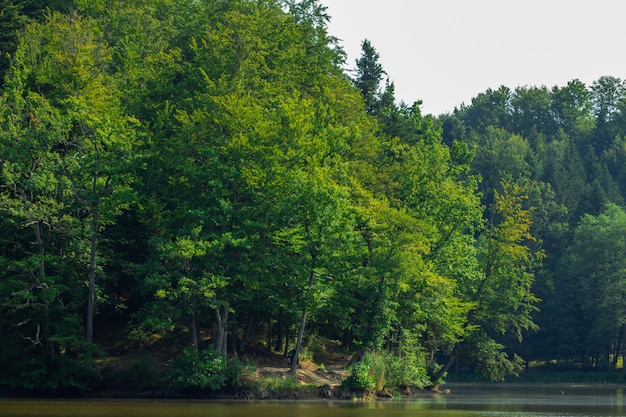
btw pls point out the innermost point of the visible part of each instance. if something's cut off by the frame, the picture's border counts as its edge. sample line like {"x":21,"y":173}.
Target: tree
{"x":11,"y":21}
{"x":606,"y":95}
{"x":489,"y":109}
{"x":369,"y":73}
{"x":571,"y":108}
{"x":594,"y":266}
{"x":66,"y":143}
{"x":530,"y":113}
{"x":72,"y":70}
{"x":501,"y":155}
{"x":35,"y":213}
{"x":501,"y":293}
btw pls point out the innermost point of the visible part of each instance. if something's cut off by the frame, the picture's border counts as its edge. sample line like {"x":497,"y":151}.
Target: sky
{"x":445,"y":52}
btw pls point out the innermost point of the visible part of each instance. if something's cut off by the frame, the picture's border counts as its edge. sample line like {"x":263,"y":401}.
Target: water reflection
{"x":569,"y":399}
{"x":476,"y":401}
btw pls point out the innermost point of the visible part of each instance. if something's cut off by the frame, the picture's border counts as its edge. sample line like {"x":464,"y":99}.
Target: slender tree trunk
{"x":220,"y":333}
{"x":623,"y":347}
{"x":453,"y":355}
{"x":44,"y":327}
{"x":246,"y":333}
{"x":270,"y":328}
{"x":295,"y":358}
{"x":91,"y":298}
{"x":287,"y":335}
{"x":616,"y":351}
{"x":42,"y":251}
{"x":233,"y":336}
{"x":279,"y":335}
{"x":194,"y":330}
{"x":346,"y":340}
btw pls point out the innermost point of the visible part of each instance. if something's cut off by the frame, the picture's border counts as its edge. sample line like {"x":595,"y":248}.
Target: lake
{"x":478,"y":401}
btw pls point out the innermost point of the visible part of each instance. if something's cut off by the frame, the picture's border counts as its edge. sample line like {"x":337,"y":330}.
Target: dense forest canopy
{"x":205,"y":172}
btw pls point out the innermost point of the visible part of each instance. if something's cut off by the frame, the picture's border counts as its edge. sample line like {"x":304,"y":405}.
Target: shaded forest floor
{"x":138,"y":372}
{"x":327,"y":366}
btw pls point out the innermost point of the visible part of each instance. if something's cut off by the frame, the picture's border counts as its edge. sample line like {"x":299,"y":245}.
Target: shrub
{"x":203,"y":369}
{"x":207,"y":369}
{"x":386,"y":370}
{"x":144,"y":371}
{"x":236,"y":371}
{"x":361,"y":378}
{"x":406,"y":370}
{"x":72,"y":369}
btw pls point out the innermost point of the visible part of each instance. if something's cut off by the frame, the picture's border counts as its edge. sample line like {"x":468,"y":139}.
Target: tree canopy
{"x":207,"y":172}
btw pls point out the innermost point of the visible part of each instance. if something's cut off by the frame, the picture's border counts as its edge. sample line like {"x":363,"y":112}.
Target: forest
{"x":207,"y":175}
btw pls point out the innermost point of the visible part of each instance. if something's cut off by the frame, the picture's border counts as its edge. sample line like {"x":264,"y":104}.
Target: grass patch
{"x":282,"y":388}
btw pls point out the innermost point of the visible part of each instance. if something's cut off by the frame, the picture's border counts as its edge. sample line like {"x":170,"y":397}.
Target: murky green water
{"x":552,"y":401}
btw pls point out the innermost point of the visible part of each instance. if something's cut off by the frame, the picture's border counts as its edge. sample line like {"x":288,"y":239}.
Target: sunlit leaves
{"x":504,"y":294}
{"x":233,"y":169}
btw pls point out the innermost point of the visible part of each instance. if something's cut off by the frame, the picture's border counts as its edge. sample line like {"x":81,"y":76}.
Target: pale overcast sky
{"x":445,"y":52}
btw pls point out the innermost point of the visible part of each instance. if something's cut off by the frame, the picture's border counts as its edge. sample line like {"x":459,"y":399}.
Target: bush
{"x":206,"y":369}
{"x":72,"y":370}
{"x":203,"y":369}
{"x":361,"y":379}
{"x":407,"y":370}
{"x":386,"y":370}
{"x":236,"y":371}
{"x":144,"y":371}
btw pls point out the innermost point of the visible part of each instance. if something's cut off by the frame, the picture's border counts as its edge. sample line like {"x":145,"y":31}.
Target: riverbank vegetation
{"x":183,"y":180}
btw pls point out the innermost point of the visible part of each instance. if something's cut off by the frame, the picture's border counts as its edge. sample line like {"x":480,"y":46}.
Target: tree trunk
{"x":91,"y":298}
{"x":270,"y":328}
{"x":220,"y":333}
{"x":279,"y":336}
{"x":286,"y":350}
{"x":246,"y":333}
{"x":624,"y":347}
{"x":194,"y":330}
{"x":233,"y":336}
{"x":346,"y":340}
{"x":44,"y":328}
{"x":295,"y":358}
{"x":453,"y":355}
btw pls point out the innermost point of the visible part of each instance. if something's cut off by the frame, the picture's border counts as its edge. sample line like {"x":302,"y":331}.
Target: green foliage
{"x":385,"y":370}
{"x":144,"y":372}
{"x":369,"y":76}
{"x":199,"y":369}
{"x":406,"y":370}
{"x":73,"y":371}
{"x":179,"y":166}
{"x":489,"y":358}
{"x":206,"y":370}
{"x":594,"y":265}
{"x":277,"y":387}
{"x":361,"y":378}
{"x":10,"y":22}
{"x":408,"y":366}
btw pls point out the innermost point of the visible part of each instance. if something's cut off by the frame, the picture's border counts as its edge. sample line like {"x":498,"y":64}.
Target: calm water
{"x":490,"y":401}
